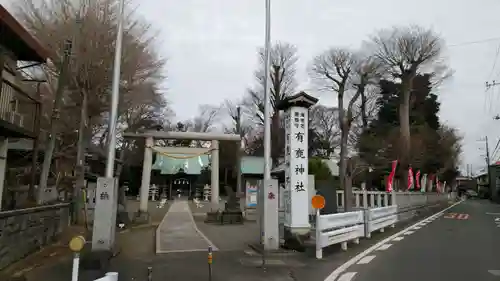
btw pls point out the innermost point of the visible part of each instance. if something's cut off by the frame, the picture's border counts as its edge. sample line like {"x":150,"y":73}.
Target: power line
{"x":474,"y":42}
{"x":495,"y":150}
{"x":494,"y":62}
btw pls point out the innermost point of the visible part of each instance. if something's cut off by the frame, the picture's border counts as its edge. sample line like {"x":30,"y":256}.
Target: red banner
{"x":410,"y":178}
{"x":417,"y":180}
{"x":390,"y":178}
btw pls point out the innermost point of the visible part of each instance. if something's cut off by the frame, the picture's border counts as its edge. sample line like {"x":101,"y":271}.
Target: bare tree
{"x":333,"y":70}
{"x":205,"y":120}
{"x":239,"y":124}
{"x":91,"y":66}
{"x":283,"y":61}
{"x":325,"y":124}
{"x":405,"y":51}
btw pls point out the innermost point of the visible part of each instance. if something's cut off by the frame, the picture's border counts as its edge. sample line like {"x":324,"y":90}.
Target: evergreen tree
{"x":379,"y":143}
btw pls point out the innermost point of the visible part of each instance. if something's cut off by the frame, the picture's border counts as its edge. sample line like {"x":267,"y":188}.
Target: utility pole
{"x":104,"y":227}
{"x":488,"y":164}
{"x":487,"y":152}
{"x":239,"y":187}
{"x":491,"y":84}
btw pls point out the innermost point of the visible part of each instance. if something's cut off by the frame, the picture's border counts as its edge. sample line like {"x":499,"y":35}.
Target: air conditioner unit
{"x":13,"y":117}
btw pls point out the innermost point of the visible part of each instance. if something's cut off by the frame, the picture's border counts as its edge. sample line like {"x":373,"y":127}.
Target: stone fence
{"x":25,"y":231}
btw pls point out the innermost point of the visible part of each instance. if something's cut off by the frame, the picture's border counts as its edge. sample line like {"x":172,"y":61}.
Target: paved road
{"x":461,"y":244}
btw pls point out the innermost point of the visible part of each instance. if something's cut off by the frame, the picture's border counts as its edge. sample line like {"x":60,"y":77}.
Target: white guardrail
{"x":349,"y":227}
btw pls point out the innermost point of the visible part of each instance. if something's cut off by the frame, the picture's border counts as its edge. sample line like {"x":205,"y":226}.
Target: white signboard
{"x":296,"y":172}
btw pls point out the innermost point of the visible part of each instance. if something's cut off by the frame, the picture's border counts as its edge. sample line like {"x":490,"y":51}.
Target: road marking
{"x":384,"y":247}
{"x":339,"y":270}
{"x":417,"y":227}
{"x":398,"y":238}
{"x":497,"y":219}
{"x":495,"y":272}
{"x":409,"y":232}
{"x":348,"y":276}
{"x":456,"y":216}
{"x":493,"y":214}
{"x":366,"y":259}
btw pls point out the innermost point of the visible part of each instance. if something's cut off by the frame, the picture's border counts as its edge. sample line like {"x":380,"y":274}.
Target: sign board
{"x":104,"y":214}
{"x":251,"y":194}
{"x":318,"y":202}
{"x":296,"y":171}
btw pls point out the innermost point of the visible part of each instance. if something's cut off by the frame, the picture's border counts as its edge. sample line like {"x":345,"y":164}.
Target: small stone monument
{"x":231,"y":214}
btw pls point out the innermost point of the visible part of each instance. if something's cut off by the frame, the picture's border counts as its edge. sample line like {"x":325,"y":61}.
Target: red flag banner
{"x":417,"y":180}
{"x":410,"y":178}
{"x":390,"y":178}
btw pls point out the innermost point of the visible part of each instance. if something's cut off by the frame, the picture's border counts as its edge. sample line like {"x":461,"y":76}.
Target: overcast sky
{"x":211,"y":49}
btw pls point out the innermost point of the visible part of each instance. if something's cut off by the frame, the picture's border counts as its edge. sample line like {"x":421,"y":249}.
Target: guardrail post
{"x":319,"y":249}
{"x":366,"y":218}
{"x":343,"y":245}
{"x":150,"y":273}
{"x":365,"y":199}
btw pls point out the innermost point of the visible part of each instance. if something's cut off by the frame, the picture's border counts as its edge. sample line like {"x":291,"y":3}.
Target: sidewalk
{"x":178,"y":232}
{"x":138,"y":254}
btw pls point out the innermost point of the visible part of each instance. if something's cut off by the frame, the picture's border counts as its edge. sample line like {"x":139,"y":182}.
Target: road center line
{"x":366,"y":259}
{"x":384,"y":247}
{"x":348,"y":276}
{"x":336,"y":273}
{"x":495,"y":272}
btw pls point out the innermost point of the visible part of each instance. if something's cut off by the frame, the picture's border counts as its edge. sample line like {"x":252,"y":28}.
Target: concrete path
{"x":459,"y":244}
{"x":177,"y":231}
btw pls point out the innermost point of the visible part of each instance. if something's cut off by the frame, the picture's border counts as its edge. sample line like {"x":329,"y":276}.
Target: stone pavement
{"x":461,"y":244}
{"x":178,"y":232}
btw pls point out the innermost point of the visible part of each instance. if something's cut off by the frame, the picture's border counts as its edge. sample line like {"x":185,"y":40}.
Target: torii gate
{"x":150,"y":136}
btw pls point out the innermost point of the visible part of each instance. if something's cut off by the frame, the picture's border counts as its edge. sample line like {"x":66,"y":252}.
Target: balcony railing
{"x":17,"y":107}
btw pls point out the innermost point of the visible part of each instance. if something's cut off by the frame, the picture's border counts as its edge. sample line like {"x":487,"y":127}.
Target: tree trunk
{"x":51,"y":143}
{"x":79,"y":193}
{"x":364,"y":116}
{"x":36,"y":146}
{"x":404,"y":118}
{"x":348,"y":185}
{"x":343,"y":169}
{"x":275,"y":138}
{"x":122,"y":196}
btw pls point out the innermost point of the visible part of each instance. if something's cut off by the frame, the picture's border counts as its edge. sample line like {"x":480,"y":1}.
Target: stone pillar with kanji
{"x":296,"y":198}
